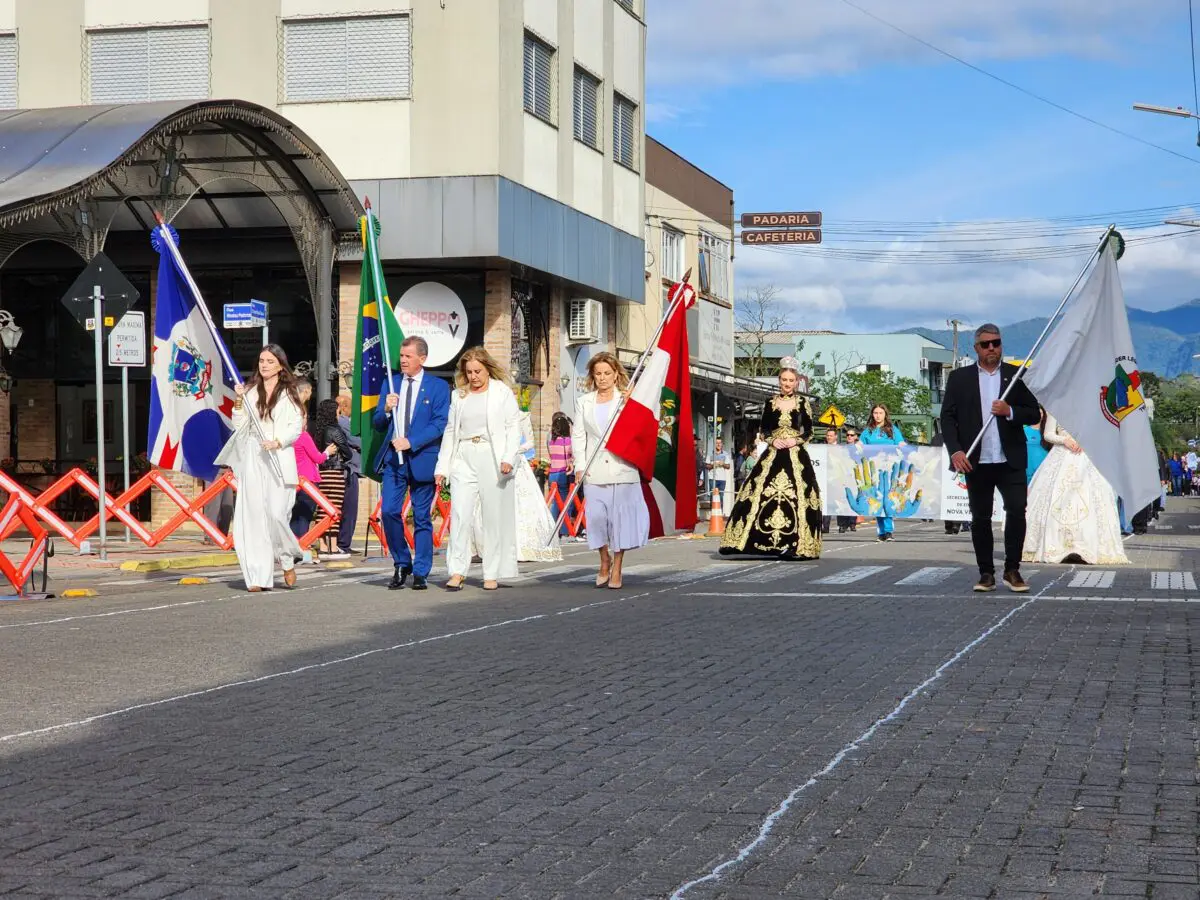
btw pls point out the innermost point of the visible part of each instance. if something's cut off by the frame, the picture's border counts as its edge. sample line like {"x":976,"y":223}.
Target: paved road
{"x":864,"y":727}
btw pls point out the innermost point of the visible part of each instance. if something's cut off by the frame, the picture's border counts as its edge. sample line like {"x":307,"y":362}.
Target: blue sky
{"x":809,"y":104}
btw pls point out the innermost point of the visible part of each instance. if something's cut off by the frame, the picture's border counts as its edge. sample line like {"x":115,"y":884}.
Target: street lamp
{"x":1177,"y":111}
{"x":10,"y":336}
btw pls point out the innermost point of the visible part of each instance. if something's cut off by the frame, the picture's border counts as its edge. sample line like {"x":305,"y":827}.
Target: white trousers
{"x":474,"y":482}
{"x":728,"y":495}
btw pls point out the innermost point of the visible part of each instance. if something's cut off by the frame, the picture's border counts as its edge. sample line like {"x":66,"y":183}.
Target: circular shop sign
{"x":434,"y":312}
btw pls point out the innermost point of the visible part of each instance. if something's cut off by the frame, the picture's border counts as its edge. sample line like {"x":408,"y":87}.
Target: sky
{"x":815,"y":105}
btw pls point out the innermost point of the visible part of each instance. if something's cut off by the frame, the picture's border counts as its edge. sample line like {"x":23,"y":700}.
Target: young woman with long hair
{"x":617,"y":517}
{"x":562,"y":464}
{"x":479,"y":452}
{"x":881,"y":430}
{"x":267,"y":421}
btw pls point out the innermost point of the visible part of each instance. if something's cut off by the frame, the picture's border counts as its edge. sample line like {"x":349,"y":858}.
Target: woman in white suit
{"x":478,"y":454}
{"x":266,"y":491}
{"x":614,"y":506}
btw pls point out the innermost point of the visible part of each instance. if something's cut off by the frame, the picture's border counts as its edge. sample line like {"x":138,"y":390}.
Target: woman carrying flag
{"x":267,"y":422}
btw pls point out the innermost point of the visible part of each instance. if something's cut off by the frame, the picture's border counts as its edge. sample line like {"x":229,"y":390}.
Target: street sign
{"x":781,"y":220}
{"x":245,"y":315}
{"x":795,"y":236}
{"x":117,"y":293}
{"x":832,"y":417}
{"x":127,"y":341}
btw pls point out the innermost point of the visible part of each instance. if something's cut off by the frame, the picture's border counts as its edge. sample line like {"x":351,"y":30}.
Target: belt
{"x":478,"y":439}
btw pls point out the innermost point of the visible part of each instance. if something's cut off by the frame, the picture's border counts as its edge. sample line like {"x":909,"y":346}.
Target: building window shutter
{"x":137,"y":65}
{"x":538,"y":78}
{"x":624,"y":131}
{"x":362,"y":58}
{"x":8,"y":71}
{"x":628,"y":4}
{"x":587,"y":108}
{"x":672,"y":254}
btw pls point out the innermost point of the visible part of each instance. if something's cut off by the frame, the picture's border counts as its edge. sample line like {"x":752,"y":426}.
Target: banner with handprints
{"x":904,"y":482}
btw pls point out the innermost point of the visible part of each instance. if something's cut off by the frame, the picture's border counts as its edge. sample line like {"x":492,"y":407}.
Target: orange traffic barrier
{"x":15,"y":511}
{"x":440,"y":507}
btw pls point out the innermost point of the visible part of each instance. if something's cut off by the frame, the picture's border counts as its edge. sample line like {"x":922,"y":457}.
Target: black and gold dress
{"x":778,"y":509}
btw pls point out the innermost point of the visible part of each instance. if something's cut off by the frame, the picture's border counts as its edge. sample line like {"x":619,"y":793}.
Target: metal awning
{"x":736,"y":387}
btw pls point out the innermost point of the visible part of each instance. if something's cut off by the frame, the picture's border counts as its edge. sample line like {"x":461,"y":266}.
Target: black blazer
{"x":962,"y":417}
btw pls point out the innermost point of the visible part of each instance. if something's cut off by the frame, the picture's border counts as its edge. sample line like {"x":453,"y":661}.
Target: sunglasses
{"x":986,"y":345}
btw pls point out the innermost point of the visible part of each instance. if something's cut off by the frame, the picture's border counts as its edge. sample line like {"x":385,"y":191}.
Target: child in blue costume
{"x":882,"y":431}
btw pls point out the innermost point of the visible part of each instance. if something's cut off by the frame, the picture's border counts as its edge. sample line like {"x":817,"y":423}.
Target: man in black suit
{"x":972,"y":405}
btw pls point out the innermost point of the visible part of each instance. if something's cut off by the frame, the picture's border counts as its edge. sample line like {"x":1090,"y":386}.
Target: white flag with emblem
{"x":1086,"y":376}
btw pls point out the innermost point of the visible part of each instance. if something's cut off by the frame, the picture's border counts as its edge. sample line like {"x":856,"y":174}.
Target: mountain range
{"x":1164,"y":341}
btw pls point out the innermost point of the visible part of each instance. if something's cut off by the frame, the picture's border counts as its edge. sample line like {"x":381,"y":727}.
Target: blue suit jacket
{"x":430,"y":412}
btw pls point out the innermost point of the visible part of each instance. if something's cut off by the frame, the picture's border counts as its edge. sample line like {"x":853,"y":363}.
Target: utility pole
{"x":954,"y":323}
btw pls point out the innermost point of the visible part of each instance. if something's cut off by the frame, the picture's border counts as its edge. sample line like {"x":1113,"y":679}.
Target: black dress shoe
{"x":399,"y":577}
{"x":419,"y":583}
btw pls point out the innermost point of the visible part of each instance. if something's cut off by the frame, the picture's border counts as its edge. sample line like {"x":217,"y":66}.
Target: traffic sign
{"x":127,"y":341}
{"x":245,"y":315}
{"x":116,"y":293}
{"x":832,"y":417}
{"x":783,"y":236}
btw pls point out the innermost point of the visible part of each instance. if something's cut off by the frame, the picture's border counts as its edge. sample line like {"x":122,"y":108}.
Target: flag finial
{"x":366,"y":202}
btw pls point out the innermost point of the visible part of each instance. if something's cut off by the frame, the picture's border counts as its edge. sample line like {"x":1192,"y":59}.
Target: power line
{"x":1017,"y":87}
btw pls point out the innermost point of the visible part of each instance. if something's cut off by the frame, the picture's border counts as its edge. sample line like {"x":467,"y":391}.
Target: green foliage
{"x":854,"y":393}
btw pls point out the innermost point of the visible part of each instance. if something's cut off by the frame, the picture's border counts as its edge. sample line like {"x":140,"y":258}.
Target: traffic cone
{"x":716,"y":519}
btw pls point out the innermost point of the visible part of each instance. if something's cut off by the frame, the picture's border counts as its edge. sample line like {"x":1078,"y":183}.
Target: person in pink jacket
{"x":308,"y":462}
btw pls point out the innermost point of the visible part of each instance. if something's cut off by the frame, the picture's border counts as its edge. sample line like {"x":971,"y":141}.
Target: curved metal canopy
{"x":102,"y":167}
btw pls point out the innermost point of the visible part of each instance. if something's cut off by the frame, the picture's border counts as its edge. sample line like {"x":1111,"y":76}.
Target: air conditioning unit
{"x":923,"y":364}
{"x":583,"y":322}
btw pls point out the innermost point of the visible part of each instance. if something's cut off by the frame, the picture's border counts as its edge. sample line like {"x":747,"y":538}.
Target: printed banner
{"x":903,"y":482}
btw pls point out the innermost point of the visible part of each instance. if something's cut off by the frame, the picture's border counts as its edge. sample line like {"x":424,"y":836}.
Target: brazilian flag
{"x":376,"y":346}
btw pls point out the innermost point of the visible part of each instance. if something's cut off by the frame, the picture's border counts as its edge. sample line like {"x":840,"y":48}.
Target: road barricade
{"x":575,"y":521}
{"x":18,"y":512}
{"x":440,"y":508}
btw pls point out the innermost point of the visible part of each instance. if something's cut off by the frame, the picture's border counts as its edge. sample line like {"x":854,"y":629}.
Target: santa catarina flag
{"x":191,"y":391}
{"x":654,"y":430}
{"x":375,"y":321}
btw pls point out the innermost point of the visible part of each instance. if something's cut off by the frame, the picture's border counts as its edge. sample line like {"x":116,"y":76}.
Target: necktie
{"x":408,"y":392}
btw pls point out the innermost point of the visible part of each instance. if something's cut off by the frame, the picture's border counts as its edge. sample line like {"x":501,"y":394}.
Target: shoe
{"x":888,"y":537}
{"x":601,"y":581}
{"x":339,"y":555}
{"x":254,"y":590}
{"x":491,"y":586}
{"x":289,"y":578}
{"x":1015,"y":582}
{"x":419,"y":583}
{"x":454,"y":585}
{"x":986,"y":583}
{"x":399,"y":577}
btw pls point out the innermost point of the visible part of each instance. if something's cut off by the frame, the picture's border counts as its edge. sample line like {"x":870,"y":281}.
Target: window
{"x":136,"y":65}
{"x":361,"y":58}
{"x":8,"y":71}
{"x":625,"y":131}
{"x":539,"y":79}
{"x":672,"y":254}
{"x":587,"y":108}
{"x":714,"y":265}
{"x":874,"y":367}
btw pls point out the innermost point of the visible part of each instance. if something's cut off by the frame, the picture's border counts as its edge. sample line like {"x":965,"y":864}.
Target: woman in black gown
{"x":778,"y":509}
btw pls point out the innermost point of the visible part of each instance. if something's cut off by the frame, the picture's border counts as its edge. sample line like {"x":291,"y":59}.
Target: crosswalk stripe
{"x":681,"y":575}
{"x":930,"y":575}
{"x":851,"y":575}
{"x":643,"y":569}
{"x":1099,"y":579}
{"x":1172,"y":581}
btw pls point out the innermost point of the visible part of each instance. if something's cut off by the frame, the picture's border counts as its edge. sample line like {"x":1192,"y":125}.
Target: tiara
{"x":790,"y":362}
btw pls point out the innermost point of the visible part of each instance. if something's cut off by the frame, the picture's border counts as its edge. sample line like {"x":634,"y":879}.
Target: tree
{"x":756,"y":316}
{"x":855,"y":393}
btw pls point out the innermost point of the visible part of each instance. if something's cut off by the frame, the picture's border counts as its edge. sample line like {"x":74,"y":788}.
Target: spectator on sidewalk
{"x":720,"y":467}
{"x":352,"y":472}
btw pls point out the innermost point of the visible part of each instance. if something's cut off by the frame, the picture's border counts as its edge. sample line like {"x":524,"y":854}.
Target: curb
{"x":198,"y":561}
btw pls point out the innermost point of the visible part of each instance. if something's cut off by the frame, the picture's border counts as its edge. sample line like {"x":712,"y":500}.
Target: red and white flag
{"x":654,"y":429}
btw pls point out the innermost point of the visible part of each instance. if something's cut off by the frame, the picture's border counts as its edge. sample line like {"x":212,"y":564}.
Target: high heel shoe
{"x":602,"y":580}
{"x":454,"y":585}
{"x":289,"y":578}
{"x":491,"y":585}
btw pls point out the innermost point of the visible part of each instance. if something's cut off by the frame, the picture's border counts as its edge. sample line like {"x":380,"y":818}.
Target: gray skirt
{"x":617,"y":517}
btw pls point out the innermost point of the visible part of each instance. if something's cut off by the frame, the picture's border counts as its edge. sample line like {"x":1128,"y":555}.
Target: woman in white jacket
{"x":615,"y":508}
{"x":266,"y":490}
{"x":479,"y":451}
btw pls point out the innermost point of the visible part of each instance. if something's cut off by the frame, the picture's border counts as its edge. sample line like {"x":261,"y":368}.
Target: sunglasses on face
{"x":987,"y":345}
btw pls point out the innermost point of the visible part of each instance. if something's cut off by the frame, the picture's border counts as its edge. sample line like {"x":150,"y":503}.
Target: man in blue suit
{"x":407,"y":460}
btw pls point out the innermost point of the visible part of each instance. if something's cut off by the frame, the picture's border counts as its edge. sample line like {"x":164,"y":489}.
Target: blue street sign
{"x":259,"y":312}
{"x":245,"y":315}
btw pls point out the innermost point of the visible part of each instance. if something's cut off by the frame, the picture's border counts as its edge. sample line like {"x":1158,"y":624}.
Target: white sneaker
{"x":337,"y":555}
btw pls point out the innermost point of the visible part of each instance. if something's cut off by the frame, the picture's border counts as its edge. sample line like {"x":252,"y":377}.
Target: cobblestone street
{"x":863,"y":727}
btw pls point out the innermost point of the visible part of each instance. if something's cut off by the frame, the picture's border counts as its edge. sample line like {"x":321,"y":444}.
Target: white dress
{"x":537,"y":541}
{"x":1072,"y":509}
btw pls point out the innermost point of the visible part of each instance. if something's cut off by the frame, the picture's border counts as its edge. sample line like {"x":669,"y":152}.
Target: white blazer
{"x":585,"y":437}
{"x":503,"y":427}
{"x":284,"y":425}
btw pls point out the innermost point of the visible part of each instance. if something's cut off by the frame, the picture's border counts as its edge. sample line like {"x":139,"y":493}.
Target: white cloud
{"x":716,"y":41}
{"x":822,"y":288}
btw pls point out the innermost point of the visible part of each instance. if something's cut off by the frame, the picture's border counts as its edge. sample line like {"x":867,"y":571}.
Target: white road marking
{"x":1172,"y":581}
{"x":768,"y":823}
{"x":680,"y":575}
{"x":311,"y":667}
{"x":1093,"y":579}
{"x":851,"y":575}
{"x":930,"y":575}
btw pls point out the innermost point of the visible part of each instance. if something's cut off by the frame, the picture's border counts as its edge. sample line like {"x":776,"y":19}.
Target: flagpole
{"x":1045,"y":331}
{"x":169,"y":241}
{"x":372,"y":250}
{"x":612,"y":421}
